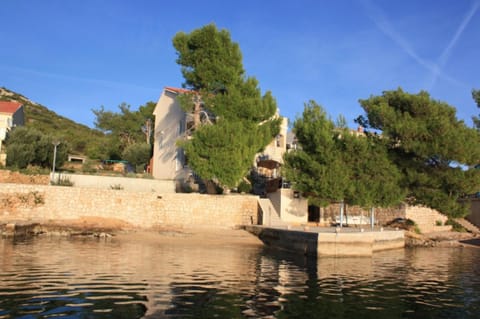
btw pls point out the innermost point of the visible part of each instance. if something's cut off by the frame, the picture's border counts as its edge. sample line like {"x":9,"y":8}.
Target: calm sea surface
{"x":92,"y":278}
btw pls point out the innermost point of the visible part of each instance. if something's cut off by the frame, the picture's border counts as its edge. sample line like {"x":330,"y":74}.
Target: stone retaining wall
{"x":140,"y":209}
{"x":474,"y":216}
{"x":118,"y":182}
{"x":382,"y":215}
{"x":428,"y":220}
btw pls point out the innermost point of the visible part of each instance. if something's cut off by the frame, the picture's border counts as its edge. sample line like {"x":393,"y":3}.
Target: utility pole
{"x":55,"y":144}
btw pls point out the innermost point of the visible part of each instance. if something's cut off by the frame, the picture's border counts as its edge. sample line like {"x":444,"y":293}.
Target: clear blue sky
{"x":72,"y":56}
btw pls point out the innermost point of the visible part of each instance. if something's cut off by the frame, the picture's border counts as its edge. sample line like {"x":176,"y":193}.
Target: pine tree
{"x":334,"y":164}
{"x":476,"y":97}
{"x":317,"y":168}
{"x":244,"y":119}
{"x":375,"y":180}
{"x":429,"y":145}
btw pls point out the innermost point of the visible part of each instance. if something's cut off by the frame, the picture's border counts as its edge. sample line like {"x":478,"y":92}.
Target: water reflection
{"x":89,"y":278}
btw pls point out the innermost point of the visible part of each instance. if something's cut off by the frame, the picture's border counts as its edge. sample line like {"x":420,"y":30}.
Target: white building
{"x":11,"y":115}
{"x":173,"y":124}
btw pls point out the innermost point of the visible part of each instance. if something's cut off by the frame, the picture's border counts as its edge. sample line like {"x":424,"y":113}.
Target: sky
{"x":74,"y":56}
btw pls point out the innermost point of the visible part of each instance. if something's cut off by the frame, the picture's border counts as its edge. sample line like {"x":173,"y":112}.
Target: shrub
{"x":89,"y":167}
{"x":35,"y":170}
{"x":244,"y":187}
{"x":137,"y":154}
{"x":455,"y":226}
{"x":28,"y":146}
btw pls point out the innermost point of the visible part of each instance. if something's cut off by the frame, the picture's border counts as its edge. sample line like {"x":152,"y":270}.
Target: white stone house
{"x":11,"y":115}
{"x":168,"y":163}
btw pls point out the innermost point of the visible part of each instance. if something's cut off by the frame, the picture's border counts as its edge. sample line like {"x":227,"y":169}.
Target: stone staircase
{"x":269,"y":213}
{"x":468,"y":225}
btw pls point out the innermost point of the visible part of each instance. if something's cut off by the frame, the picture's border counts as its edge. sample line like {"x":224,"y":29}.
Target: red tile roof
{"x":9,"y":107}
{"x":177,"y":90}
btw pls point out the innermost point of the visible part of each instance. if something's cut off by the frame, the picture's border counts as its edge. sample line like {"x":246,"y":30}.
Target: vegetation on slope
{"x":79,"y":137}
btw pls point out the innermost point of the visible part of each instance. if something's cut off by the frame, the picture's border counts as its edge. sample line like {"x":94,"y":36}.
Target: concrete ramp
{"x":468,"y":225}
{"x":270,"y":215}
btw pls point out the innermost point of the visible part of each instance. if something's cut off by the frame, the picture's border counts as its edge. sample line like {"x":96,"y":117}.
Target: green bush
{"x":89,"y":167}
{"x":455,"y":226}
{"x":244,"y":187}
{"x":28,"y":146}
{"x":137,"y":154}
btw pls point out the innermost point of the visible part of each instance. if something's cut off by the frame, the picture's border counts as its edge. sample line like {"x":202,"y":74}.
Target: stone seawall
{"x":43,"y":203}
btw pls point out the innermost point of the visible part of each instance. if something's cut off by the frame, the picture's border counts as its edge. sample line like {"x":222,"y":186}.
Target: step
{"x":468,"y":225}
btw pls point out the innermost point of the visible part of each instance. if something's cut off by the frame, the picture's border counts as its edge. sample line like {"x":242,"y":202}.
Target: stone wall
{"x":7,"y":176}
{"x":427,"y":219}
{"x":140,"y":209}
{"x":382,"y":215}
{"x":291,"y":209}
{"x":124,"y":183}
{"x":474,"y":216}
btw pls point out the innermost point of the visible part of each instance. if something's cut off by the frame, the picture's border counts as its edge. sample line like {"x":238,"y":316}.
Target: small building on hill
{"x":11,"y":115}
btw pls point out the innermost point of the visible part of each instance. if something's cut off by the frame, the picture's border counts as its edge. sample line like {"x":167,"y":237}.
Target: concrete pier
{"x":329,"y":241}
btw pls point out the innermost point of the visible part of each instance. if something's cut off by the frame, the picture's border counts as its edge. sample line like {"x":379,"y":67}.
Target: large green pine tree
{"x":244,"y":118}
{"x":476,"y":97}
{"x":374,"y":179}
{"x":317,"y":168}
{"x":334,"y":164}
{"x":429,"y":145}
{"x":122,"y":130}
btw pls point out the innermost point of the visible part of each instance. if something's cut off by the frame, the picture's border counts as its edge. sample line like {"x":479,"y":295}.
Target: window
{"x":181,"y":127}
{"x":179,"y":159}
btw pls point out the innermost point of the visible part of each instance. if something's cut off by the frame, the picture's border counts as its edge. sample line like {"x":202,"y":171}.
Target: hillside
{"x":76,"y":135}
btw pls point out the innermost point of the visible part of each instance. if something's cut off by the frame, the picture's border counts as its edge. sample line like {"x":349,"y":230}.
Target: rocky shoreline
{"x":442,"y":239}
{"x":101,"y":228}
{"x":24,"y":230}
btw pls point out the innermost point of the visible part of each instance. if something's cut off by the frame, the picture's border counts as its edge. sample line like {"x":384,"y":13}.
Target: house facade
{"x":168,"y":162}
{"x":11,"y":115}
{"x":172,"y":124}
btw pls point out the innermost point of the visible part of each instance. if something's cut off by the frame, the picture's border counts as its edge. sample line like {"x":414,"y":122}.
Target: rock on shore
{"x":441,"y":239}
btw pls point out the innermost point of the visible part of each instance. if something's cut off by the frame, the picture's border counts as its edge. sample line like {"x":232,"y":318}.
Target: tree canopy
{"x":333,"y":164}
{"x":28,"y":146}
{"x":476,"y":97}
{"x":123,"y":130}
{"x":316,"y":168}
{"x":245,"y":119}
{"x":429,"y":145}
{"x":374,"y":179}
{"x":210,"y":60}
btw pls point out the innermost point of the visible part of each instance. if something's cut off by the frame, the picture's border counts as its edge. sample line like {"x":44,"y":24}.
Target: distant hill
{"x":78,"y":136}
